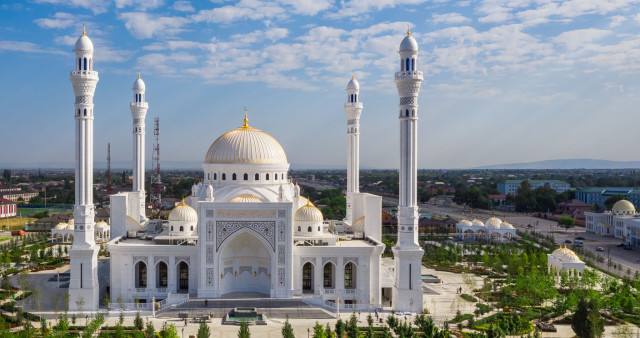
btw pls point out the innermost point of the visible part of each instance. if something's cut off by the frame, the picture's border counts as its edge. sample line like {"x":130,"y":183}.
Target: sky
{"x":505,"y":81}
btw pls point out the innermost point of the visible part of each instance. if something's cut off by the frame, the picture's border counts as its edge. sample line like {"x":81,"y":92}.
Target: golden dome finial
{"x":408,"y":30}
{"x":181,"y":204}
{"x":353,"y":75}
{"x":84,"y":32}
{"x":246,"y":120}
{"x":138,"y":75}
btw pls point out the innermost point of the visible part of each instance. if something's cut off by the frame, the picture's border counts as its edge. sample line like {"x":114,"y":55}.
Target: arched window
{"x":355,"y":97}
{"x":307,"y":278}
{"x":172,"y":228}
{"x":328,"y":276}
{"x":141,"y":275}
{"x":215,"y":176}
{"x":162,"y":280}
{"x":79,"y":63}
{"x":85,"y":112}
{"x":245,"y":176}
{"x":181,"y":228}
{"x":299,"y":228}
{"x":318,"y":228}
{"x":78,"y":112}
{"x":401,"y":65}
{"x":233,"y":177}
{"x":224,"y":176}
{"x":183,"y":276}
{"x":349,"y":276}
{"x":309,"y":229}
{"x":413,"y":112}
{"x":407,"y":112}
{"x":85,"y":63}
{"x":208,"y":176}
{"x":257,"y":178}
{"x":267,"y":177}
{"x":192,"y":228}
{"x":276,"y":176}
{"x":413,"y":64}
{"x":408,"y":65}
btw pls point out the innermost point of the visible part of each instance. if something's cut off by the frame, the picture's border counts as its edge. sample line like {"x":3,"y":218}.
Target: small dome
{"x":624,"y":206}
{"x":477,"y":223}
{"x":84,"y":43}
{"x":183,"y":213}
{"x":245,"y":199}
{"x":139,"y":84}
{"x":493,"y":223}
{"x":566,"y":255}
{"x":62,"y":226}
{"x":409,"y":44}
{"x":133,"y":225}
{"x":102,"y":225}
{"x":465,"y":222}
{"x":353,"y":84}
{"x":506,"y":225}
{"x":308,"y":213}
{"x":358,"y":225}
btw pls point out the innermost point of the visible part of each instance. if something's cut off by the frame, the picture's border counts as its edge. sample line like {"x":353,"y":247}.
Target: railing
{"x":330,"y":304}
{"x":329,"y":291}
{"x":141,"y":290}
{"x":161,"y":290}
{"x":350,"y":291}
{"x":130,"y":306}
{"x":84,"y":72}
{"x":409,"y":73}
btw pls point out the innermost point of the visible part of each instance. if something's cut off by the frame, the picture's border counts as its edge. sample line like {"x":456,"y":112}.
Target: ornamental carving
{"x":157,"y":259}
{"x":249,"y":213}
{"x":352,"y":121}
{"x":210,"y":213}
{"x":281,"y":226}
{"x":144,"y":259}
{"x":245,"y":268}
{"x":408,"y":100}
{"x":209,"y":230}
{"x":281,"y":254}
{"x":265,"y":230}
{"x":209,"y":253}
{"x":304,"y":260}
{"x":346,"y":260}
{"x":227,"y":270}
{"x":210,"y":277}
{"x":84,"y":99}
{"x":281,"y":276}
{"x":282,"y":213}
{"x":185,"y":259}
{"x":264,"y":271}
{"x":333,"y":260}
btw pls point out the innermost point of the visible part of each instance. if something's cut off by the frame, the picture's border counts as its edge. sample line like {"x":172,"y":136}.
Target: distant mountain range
{"x":567,"y":164}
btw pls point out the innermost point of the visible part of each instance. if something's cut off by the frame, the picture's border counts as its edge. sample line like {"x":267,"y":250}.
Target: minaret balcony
{"x":414,"y":75}
{"x":353,"y":105}
{"x":139,"y":104}
{"x":84,"y":73}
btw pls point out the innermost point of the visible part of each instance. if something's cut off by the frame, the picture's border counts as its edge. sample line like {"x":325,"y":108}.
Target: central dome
{"x":245,"y":145}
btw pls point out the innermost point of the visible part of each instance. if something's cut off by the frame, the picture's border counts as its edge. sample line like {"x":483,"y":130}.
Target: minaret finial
{"x":84,"y":32}
{"x":408,"y":30}
{"x":138,"y":75}
{"x":353,"y":75}
{"x":246,"y":120}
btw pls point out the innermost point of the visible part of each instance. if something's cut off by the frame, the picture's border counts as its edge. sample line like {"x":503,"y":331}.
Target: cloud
{"x":357,"y":7}
{"x":27,"y":47}
{"x":616,"y":21}
{"x":96,"y":6}
{"x":243,"y":10}
{"x":141,"y":5}
{"x":449,"y":18}
{"x":578,"y":38}
{"x":308,"y":7}
{"x":571,"y":9}
{"x":144,"y":26}
{"x":59,"y":20}
{"x":183,"y":6}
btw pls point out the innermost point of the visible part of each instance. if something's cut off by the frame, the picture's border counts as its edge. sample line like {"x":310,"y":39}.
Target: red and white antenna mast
{"x":155,"y":197}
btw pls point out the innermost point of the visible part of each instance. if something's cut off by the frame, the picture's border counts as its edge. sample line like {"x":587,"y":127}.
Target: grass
{"x":468,"y":298}
{"x":15,"y":222}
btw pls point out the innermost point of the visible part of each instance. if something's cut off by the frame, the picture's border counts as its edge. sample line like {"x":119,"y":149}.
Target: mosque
{"x":245,"y":229}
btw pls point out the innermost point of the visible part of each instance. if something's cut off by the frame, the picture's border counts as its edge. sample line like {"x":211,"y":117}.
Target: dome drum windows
{"x":245,"y":176}
{"x":257,"y":177}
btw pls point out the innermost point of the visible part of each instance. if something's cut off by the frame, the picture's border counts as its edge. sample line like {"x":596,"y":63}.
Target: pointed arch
{"x":413,"y":64}
{"x":257,"y":177}
{"x":407,"y":67}
{"x":85,"y":63}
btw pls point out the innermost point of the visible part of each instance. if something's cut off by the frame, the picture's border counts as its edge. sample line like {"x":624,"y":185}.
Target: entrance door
{"x":183,"y":276}
{"x":307,"y":278}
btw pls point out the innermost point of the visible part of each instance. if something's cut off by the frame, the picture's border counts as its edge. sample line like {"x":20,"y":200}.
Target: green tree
{"x":352,"y":327}
{"x":287,"y":330}
{"x":525,"y":198}
{"x":243,"y":332}
{"x":318,"y":331}
{"x":203,"y":330}
{"x":340,"y":328}
{"x":587,"y":321}
{"x":137,"y":322}
{"x":608,"y":204}
{"x":149,"y":330}
{"x":7,"y":175}
{"x":169,"y":331}
{"x":566,"y":221}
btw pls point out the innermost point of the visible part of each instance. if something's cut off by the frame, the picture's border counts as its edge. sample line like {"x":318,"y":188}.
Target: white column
{"x":139,"y":108}
{"x":352,"y":108}
{"x":407,"y":291}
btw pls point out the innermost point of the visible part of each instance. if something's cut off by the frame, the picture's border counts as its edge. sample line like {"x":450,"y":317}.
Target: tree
{"x":203,"y":330}
{"x":287,"y":330}
{"x":566,"y":221}
{"x":525,"y":198}
{"x":318,"y":331}
{"x":608,"y":204}
{"x":7,"y":175}
{"x":137,"y":322}
{"x":340,"y":327}
{"x":352,"y":327}
{"x":169,"y":331}
{"x":587,"y":321}
{"x":149,"y":330}
{"x":243,"y":332}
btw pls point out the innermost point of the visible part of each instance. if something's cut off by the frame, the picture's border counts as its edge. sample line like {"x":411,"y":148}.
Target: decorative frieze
{"x":248,"y":213}
{"x":265,"y":230}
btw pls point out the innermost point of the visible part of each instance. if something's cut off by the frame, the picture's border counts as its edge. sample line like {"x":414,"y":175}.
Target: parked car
{"x":620,"y":245}
{"x":579,"y":243}
{"x":580,"y":238}
{"x":599,"y":248}
{"x":568,"y":241}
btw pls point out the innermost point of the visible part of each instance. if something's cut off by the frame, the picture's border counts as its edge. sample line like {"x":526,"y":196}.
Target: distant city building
{"x":511,"y":186}
{"x":14,"y":196}
{"x":598,"y":195}
{"x":621,"y":222}
{"x":8,"y":208}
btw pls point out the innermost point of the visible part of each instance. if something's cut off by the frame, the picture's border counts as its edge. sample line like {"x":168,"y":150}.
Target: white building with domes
{"x":563,"y":259}
{"x":493,"y":229}
{"x":621,"y":222}
{"x":246,"y":229}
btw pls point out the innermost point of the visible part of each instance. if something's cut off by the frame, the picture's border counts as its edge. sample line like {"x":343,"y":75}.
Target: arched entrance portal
{"x":245,"y":265}
{"x":183,"y":277}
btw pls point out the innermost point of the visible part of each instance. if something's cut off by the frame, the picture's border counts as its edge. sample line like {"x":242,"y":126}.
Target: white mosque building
{"x":246,"y":229}
{"x":494,"y":229}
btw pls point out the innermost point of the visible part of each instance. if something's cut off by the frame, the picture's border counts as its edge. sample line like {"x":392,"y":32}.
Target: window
{"x":309,"y":229}
{"x":85,"y":112}
{"x":172,"y":228}
{"x":257,"y":178}
{"x":407,"y":67}
{"x":245,"y":176}
{"x":215,"y":176}
{"x":181,"y":228}
{"x":141,"y":275}
{"x":192,"y":228}
{"x":407,"y":112}
{"x":307,"y":277}
{"x":355,"y":97}
{"x":162,"y":275}
{"x":276,"y":176}
{"x":318,"y":228}
{"x":299,"y":228}
{"x":348,"y":275}
{"x":233,"y":177}
{"x":413,"y":64}
{"x":79,"y":64}
{"x":224,"y":177}
{"x":267,"y":177}
{"x":328,"y":276}
{"x":85,"y":63}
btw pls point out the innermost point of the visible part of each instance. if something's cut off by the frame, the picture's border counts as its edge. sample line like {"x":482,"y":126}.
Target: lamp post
{"x":338,"y":307}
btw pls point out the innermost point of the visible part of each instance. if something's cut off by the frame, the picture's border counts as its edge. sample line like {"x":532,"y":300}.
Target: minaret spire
{"x":138,"y":108}
{"x":407,"y":291}
{"x":352,"y":108}
{"x":83,"y":253}
{"x":246,"y":120}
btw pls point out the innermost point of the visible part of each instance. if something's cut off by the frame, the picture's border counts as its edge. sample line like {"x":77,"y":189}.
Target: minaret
{"x":138,"y":109}
{"x":83,"y":287}
{"x":407,"y":291}
{"x":353,"y":108}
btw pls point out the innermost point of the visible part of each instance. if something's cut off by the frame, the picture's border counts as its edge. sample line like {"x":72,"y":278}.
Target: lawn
{"x":15,"y":222}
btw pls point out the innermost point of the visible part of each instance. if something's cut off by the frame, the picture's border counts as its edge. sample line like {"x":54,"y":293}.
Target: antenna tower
{"x":155,"y":197}
{"x":109,"y":190}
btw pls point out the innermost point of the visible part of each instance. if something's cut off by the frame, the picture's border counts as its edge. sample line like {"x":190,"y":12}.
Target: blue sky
{"x":505,"y":80}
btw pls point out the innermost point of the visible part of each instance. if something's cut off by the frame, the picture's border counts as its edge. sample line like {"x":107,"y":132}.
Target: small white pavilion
{"x":565,"y":259}
{"x":494,"y":229}
{"x":64,"y":232}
